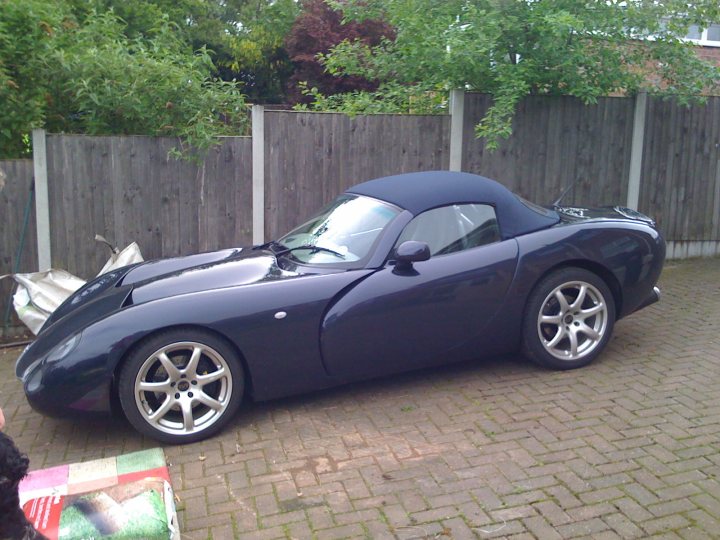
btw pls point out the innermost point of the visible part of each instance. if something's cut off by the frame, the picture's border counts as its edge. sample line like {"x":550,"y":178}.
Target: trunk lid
{"x":613,"y":213}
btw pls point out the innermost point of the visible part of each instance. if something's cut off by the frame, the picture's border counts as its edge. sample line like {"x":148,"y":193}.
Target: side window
{"x":453,"y":228}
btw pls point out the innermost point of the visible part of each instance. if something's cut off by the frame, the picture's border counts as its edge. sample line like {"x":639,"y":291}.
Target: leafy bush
{"x":93,"y":79}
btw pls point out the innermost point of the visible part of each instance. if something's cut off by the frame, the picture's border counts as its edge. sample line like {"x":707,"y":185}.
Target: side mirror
{"x":410,"y":252}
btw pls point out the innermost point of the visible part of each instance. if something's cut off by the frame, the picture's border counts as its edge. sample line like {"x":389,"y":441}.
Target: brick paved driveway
{"x":628,"y":447}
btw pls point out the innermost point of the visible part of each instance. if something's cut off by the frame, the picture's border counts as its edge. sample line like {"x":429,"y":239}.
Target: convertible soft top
{"x":421,"y":191}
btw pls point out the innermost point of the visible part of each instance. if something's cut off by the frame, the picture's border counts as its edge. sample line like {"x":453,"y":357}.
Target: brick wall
{"x":710,"y":53}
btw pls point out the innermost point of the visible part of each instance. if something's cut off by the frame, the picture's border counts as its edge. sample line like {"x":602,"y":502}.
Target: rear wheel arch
{"x":552,"y":350}
{"x":591,"y":266}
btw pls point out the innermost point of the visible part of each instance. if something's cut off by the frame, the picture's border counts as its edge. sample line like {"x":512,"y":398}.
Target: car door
{"x":402,"y":319}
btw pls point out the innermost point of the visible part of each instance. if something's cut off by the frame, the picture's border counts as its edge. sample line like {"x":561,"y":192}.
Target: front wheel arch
{"x":115,"y":406}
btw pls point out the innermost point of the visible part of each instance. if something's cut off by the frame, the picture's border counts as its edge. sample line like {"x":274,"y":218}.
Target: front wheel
{"x":569,"y":319}
{"x":181,"y":386}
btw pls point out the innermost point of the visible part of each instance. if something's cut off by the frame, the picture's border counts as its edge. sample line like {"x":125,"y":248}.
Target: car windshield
{"x":349,"y":227}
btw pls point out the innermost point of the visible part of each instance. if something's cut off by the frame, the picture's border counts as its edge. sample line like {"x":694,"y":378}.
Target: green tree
{"x":243,"y":38}
{"x":85,"y":75}
{"x":27,"y":33}
{"x":512,"y":48}
{"x":257,"y":56}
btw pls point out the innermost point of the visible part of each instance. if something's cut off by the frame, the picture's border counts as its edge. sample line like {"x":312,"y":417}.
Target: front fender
{"x":281,"y":353}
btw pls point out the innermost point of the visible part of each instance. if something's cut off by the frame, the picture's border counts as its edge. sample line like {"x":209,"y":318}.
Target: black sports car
{"x":397,"y":273}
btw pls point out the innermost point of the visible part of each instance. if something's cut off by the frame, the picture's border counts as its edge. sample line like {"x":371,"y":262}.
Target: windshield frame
{"x":362,"y":262}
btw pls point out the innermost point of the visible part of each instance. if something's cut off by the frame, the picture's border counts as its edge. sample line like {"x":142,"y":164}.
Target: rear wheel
{"x":181,"y":386}
{"x":569,"y":319}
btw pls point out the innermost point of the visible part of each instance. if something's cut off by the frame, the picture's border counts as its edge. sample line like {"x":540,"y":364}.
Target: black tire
{"x":550,"y":342}
{"x":186,"y":403}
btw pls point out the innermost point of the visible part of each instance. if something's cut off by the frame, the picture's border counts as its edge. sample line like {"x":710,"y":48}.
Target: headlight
{"x":64,"y":348}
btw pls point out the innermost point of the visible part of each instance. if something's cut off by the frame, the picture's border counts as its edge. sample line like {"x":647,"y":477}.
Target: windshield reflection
{"x":349,"y":226}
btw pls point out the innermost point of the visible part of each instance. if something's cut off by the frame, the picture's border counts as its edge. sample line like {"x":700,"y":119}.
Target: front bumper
{"x":52,"y":390}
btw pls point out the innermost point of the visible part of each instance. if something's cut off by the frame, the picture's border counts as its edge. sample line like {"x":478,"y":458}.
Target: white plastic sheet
{"x":129,"y":255}
{"x":40,"y":293}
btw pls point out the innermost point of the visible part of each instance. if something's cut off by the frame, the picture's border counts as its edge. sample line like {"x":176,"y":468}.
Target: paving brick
{"x":538,"y":526}
{"x":622,"y":526}
{"x":222,"y":532}
{"x":665,"y":524}
{"x":436,"y":514}
{"x":553,"y":513}
{"x":601,"y":495}
{"x":338,"y":533}
{"x":589,"y":527}
{"x":632,"y":509}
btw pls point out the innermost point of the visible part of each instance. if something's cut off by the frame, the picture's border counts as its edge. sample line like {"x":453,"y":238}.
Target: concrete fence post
{"x":42,"y":199}
{"x":457,"y":120}
{"x":636,"y":151}
{"x":258,"y":174}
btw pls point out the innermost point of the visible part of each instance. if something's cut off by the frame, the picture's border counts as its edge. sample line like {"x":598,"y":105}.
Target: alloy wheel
{"x":573,"y":320}
{"x":183,"y":388}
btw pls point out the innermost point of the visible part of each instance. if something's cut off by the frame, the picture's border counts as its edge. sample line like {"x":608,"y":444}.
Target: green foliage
{"x":90,"y":77}
{"x":256,"y":47}
{"x":388,"y":98}
{"x":109,"y":83}
{"x":244,"y":38}
{"x":27,"y":32}
{"x":512,"y":48}
{"x":316,"y":31}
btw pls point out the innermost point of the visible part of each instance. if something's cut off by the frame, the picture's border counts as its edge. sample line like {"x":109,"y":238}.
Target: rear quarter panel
{"x":629,"y":254}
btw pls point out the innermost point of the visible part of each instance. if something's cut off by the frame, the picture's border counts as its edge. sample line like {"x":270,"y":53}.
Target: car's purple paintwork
{"x":342,"y":323}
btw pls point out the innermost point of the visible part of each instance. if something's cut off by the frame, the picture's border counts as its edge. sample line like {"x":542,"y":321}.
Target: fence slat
{"x":556,"y":142}
{"x":680,"y":169}
{"x":14,"y":197}
{"x":128,"y":189}
{"x":313,"y":157}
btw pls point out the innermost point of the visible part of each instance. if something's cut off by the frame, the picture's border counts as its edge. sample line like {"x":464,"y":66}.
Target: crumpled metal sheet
{"x":40,"y":293}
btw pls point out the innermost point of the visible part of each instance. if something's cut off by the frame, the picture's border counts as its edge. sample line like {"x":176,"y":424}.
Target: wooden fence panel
{"x":128,"y":189}
{"x":680,"y":185}
{"x":17,"y":176}
{"x":557,"y":141}
{"x":313,"y":157}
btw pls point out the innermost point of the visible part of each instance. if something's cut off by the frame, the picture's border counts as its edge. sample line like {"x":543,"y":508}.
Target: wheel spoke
{"x":187,"y":412}
{"x":551,"y":319}
{"x":163,"y":386}
{"x":161,"y":411}
{"x":589,"y":332}
{"x":557,"y":338}
{"x":202,"y":380}
{"x":577,"y":304}
{"x":589,"y":312}
{"x":171,"y":369}
{"x":572,"y":336}
{"x":191,"y":368}
{"x":562,"y":301}
{"x":209,"y":402}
